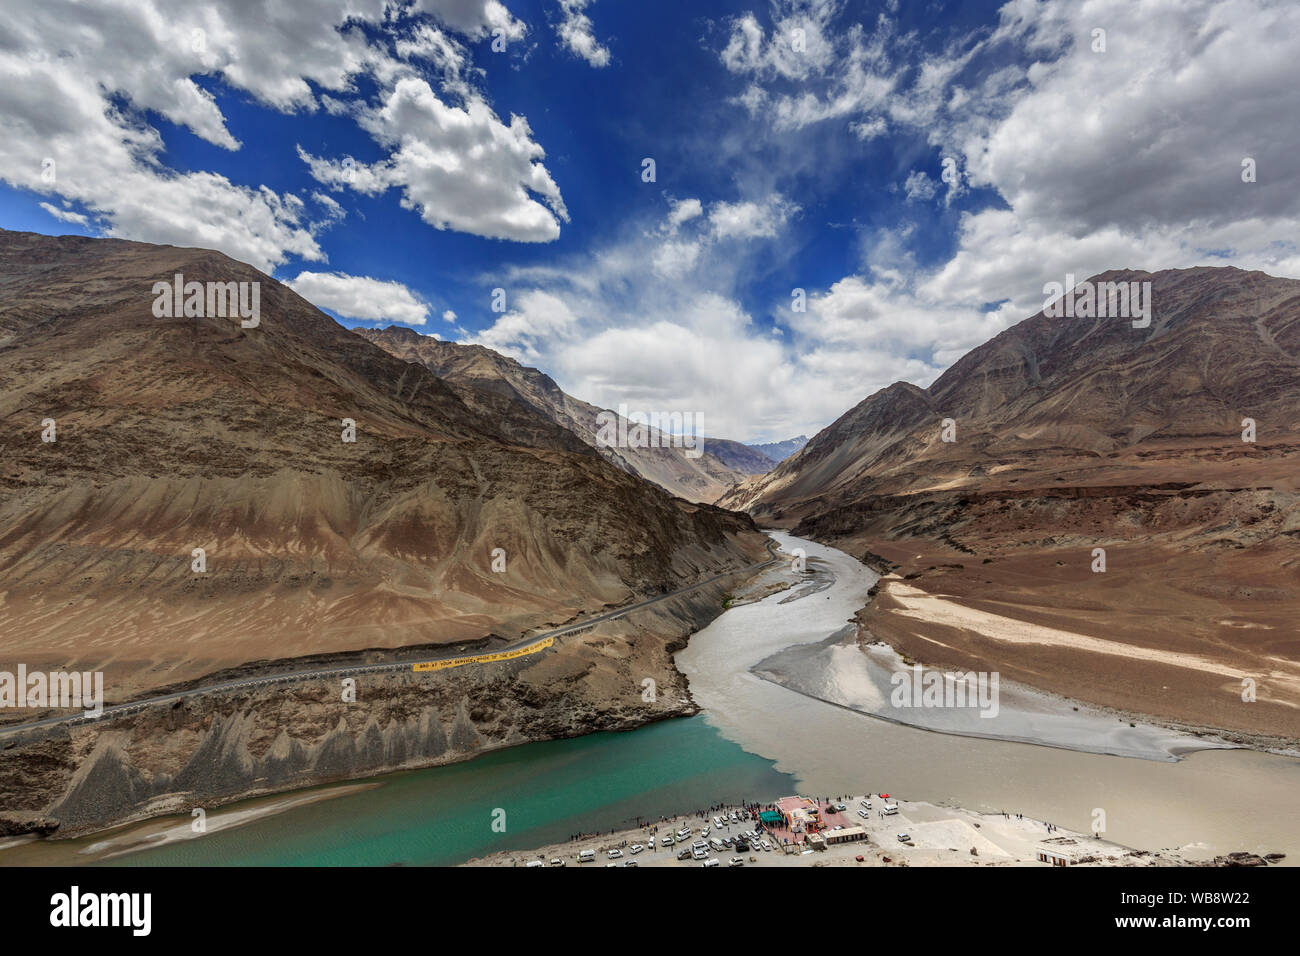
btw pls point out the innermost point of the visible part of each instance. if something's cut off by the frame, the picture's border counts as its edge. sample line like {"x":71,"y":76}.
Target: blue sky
{"x":395,"y":167}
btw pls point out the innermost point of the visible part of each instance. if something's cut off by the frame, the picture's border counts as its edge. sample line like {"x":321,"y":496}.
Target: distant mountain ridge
{"x":743,"y":458}
{"x":779,"y":451}
{"x":701,"y":478}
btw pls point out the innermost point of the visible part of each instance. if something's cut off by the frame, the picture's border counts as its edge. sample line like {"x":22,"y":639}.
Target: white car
{"x":736,"y":861}
{"x":668,"y":840}
{"x":767,"y":847}
{"x":650,"y":843}
{"x":684,"y":833}
{"x":864,"y":814}
{"x":718,"y":822}
{"x":710,"y":862}
{"x":636,"y":848}
{"x":700,"y":852}
{"x":614,"y":854}
{"x":629,"y":863}
{"x":704,"y":832}
{"x":904,"y":838}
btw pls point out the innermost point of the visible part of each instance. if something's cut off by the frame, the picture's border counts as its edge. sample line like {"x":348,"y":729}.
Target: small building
{"x":1058,"y":851}
{"x":847,"y":835}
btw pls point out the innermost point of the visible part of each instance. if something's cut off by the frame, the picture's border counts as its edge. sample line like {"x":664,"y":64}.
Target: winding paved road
{"x":537,"y":642}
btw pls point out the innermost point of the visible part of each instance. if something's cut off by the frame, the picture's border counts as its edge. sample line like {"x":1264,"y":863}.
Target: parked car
{"x":557,"y":862}
{"x":614,"y":854}
{"x":668,"y":840}
{"x":683,"y":854}
{"x":904,"y":838}
{"x":736,"y":861}
{"x":710,"y":862}
{"x":864,"y":814}
{"x":636,"y":848}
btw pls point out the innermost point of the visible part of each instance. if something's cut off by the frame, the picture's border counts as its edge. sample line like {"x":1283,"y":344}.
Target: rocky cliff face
{"x":1075,"y":434}
{"x":214,"y":748}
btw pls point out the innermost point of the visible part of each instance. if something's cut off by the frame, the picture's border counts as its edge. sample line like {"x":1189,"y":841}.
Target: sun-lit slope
{"x":492,"y":379}
{"x":184,"y":433}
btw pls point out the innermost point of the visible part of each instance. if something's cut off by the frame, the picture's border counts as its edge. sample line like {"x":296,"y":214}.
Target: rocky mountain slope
{"x":1076,"y":434}
{"x":477,"y":371}
{"x":176,"y":434}
{"x":743,"y":458}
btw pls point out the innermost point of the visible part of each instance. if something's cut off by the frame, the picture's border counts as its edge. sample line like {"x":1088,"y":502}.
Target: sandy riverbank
{"x":33,"y":851}
{"x":1196,"y":641}
{"x":870,"y":680}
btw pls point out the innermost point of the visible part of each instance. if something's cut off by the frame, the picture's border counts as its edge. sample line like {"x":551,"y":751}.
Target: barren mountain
{"x":743,"y":458}
{"x":175,"y":434}
{"x":1075,"y":434}
{"x":479,"y":373}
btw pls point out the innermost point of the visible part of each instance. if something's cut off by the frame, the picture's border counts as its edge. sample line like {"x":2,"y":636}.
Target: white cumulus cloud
{"x":360,"y":297}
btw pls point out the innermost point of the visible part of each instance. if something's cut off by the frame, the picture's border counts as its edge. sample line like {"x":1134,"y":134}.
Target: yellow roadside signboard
{"x":541,"y":645}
